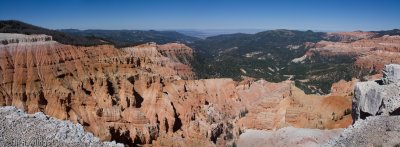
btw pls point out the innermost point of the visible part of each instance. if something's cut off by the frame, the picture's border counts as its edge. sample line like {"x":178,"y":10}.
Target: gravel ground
{"x":286,"y":137}
{"x":373,"y":131}
{"x":20,"y":129}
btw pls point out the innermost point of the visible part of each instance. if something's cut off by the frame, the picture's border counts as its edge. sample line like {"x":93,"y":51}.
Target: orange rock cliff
{"x":147,"y":94}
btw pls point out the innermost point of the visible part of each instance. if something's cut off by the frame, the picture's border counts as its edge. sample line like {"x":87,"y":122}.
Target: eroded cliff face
{"x":146,"y":94}
{"x":109,"y":91}
{"x":349,"y":36}
{"x":7,"y":38}
{"x":171,"y":59}
{"x":370,"y":53}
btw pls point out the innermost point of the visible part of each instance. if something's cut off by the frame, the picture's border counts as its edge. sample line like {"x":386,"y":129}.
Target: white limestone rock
{"x":9,"y":38}
{"x":20,"y":129}
{"x":391,"y":73}
{"x":381,"y":97}
{"x":367,"y":98}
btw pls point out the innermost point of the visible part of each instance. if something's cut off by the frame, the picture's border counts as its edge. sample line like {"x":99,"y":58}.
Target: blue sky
{"x":340,"y":15}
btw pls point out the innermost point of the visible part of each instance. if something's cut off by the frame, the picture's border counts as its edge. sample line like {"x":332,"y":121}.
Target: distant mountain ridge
{"x":119,"y":38}
{"x":15,"y":26}
{"x":251,"y":51}
{"x":123,"y":38}
{"x":266,"y":54}
{"x":204,"y":33}
{"x":270,"y":55}
{"x":274,"y":55}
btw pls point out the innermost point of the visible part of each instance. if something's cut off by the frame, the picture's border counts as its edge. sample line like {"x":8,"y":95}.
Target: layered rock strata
{"x":115,"y":94}
{"x":369,"y":53}
{"x":349,"y":36}
{"x":146,"y":95}
{"x":8,"y":38}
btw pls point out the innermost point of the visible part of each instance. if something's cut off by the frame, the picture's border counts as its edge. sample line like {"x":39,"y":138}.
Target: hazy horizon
{"x":239,"y":29}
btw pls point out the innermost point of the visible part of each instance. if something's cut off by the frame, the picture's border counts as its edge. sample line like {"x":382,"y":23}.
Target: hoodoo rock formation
{"x":272,"y":106}
{"x":375,"y":110}
{"x":113,"y":93}
{"x":146,"y":94}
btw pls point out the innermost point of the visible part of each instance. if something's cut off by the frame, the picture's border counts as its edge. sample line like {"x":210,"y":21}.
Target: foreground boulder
{"x":380,"y":97}
{"x":375,"y":106}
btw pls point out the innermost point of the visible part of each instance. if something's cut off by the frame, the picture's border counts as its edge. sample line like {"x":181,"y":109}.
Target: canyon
{"x":147,"y":94}
{"x":370,"y":53}
{"x":375,"y":110}
{"x":200,"y":73}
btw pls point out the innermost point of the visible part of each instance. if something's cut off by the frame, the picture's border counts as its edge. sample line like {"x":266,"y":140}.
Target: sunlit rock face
{"x":147,"y":94}
{"x":349,"y":36}
{"x":376,"y":106}
{"x":380,"y":97}
{"x":369,"y":53}
{"x":10,"y":38}
{"x":103,"y":88}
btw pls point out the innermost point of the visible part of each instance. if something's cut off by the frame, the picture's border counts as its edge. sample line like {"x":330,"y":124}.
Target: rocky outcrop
{"x":20,"y":129}
{"x":345,"y":88}
{"x":7,"y":38}
{"x":380,"y":97}
{"x":170,"y":58}
{"x":391,"y":74}
{"x":376,"y":105}
{"x":177,"y":52}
